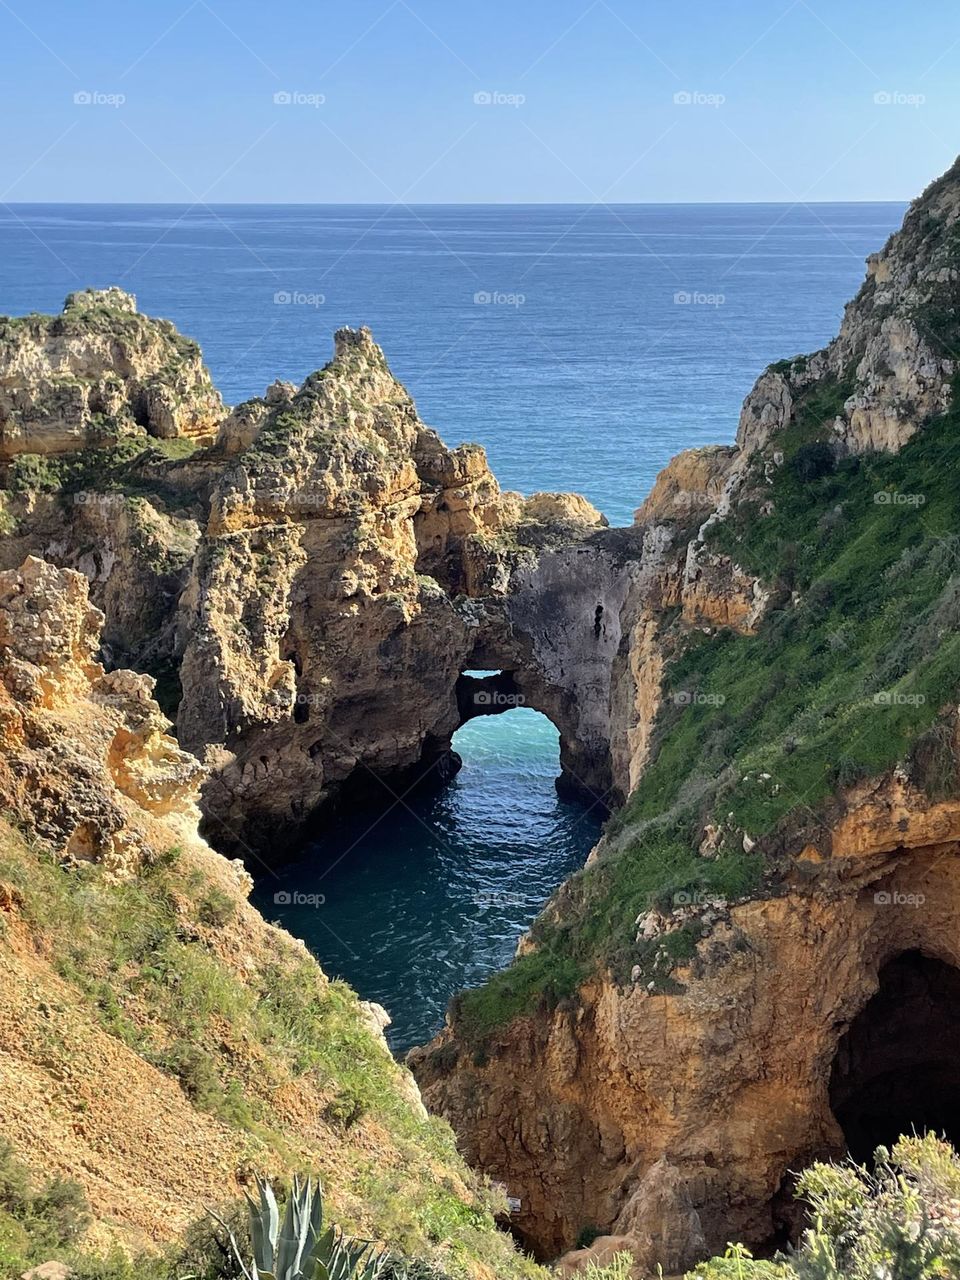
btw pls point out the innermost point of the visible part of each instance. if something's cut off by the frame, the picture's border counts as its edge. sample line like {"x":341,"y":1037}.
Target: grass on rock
{"x":850,"y":672}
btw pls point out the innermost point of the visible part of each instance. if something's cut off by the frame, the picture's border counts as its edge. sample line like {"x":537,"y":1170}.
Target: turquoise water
{"x":583,"y":346}
{"x":428,"y":896}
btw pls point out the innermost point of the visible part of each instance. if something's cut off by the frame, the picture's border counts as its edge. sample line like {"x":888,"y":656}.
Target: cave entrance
{"x":897,"y":1067}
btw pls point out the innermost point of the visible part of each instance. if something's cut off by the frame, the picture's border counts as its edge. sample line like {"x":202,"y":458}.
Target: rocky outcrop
{"x":98,"y":372}
{"x":145,"y":1006}
{"x":88,"y":760}
{"x":134,"y":547}
{"x":726,"y":1084}
{"x":895,"y":355}
{"x":667,"y":1103}
{"x":352,"y":568}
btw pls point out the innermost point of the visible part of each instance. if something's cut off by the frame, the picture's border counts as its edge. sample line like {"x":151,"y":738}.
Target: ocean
{"x":582,"y":346}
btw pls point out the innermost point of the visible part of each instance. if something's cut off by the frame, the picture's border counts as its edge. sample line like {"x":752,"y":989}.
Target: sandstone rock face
{"x":318,"y":577}
{"x":134,"y":550}
{"x":684,"y":1114}
{"x":352,"y":567}
{"x":892,"y":354}
{"x":99,"y":371}
{"x":88,"y":758}
{"x":690,"y":485}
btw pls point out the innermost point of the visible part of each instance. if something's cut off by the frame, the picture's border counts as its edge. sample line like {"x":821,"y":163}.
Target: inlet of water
{"x":419,"y":900}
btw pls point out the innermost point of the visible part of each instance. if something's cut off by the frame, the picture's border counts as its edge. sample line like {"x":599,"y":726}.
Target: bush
{"x":217,"y":909}
{"x":811,"y":461}
{"x":62,"y":1205}
{"x":900,"y":1222}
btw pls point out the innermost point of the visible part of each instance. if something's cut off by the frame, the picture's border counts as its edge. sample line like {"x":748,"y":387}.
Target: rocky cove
{"x":757,"y":966}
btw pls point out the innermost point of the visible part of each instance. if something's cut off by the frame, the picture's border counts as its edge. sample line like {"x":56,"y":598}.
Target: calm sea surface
{"x":583,"y":346}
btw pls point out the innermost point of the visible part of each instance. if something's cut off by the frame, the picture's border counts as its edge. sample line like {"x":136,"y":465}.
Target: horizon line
{"x":428,"y":204}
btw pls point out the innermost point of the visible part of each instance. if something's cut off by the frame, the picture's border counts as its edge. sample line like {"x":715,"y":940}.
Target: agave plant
{"x":298,"y":1247}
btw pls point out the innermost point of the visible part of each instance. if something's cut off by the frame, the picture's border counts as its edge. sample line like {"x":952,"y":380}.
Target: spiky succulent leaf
{"x":264,"y":1226}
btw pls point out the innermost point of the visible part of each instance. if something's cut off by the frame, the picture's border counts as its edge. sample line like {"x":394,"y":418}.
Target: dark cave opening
{"x":897,"y":1067}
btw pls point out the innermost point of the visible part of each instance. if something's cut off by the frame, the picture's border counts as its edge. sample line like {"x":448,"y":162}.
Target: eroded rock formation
{"x":88,"y":760}
{"x":143,"y":1002}
{"x":740,"y":1035}
{"x":728,"y":1085}
{"x":693,"y":1012}
{"x":352,"y":568}
{"x":97,"y":372}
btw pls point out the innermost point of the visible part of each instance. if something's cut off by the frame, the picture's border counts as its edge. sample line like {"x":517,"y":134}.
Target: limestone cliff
{"x":351,"y":569}
{"x":313,"y":581}
{"x":158,"y":1040}
{"x":755,"y":968}
{"x":97,"y":372}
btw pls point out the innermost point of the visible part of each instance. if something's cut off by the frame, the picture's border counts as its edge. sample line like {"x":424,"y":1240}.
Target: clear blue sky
{"x":784,"y":100}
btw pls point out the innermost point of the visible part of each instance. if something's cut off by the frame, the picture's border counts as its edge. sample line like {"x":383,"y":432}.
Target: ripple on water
{"x":431,"y":896}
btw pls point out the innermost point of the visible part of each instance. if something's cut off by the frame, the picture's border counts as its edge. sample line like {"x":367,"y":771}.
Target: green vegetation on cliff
{"x":901,"y":1222}
{"x":849,"y":673}
{"x":146,"y":958}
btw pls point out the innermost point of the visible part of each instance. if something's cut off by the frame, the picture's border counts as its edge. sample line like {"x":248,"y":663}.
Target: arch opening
{"x":423,"y":890}
{"x":897,"y":1067}
{"x":486,"y":693}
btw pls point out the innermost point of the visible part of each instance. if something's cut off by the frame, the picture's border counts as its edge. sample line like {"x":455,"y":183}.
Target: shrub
{"x":217,"y":908}
{"x":207,"y":1251}
{"x":62,"y":1205}
{"x":900,"y":1222}
{"x":811,"y":461}
{"x":345,"y":1109}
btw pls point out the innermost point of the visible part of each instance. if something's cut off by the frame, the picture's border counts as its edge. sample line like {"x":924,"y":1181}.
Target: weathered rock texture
{"x":98,"y":371}
{"x":728,"y":1085}
{"x":670,"y":1116}
{"x":97,"y":799}
{"x":352,"y":568}
{"x":85,"y":783}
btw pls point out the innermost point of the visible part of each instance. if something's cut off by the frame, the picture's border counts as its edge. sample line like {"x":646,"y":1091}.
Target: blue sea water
{"x":582,"y":345}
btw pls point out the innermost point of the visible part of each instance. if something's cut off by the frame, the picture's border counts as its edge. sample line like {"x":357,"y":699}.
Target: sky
{"x":437,"y":101}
